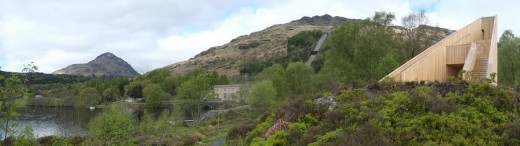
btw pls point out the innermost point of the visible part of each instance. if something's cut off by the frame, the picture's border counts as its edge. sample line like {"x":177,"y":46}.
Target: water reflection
{"x":60,"y":121}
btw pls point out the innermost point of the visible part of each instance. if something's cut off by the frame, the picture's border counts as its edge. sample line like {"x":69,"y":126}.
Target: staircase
{"x":481,"y":64}
{"x":480,"y":68}
{"x":316,"y":49}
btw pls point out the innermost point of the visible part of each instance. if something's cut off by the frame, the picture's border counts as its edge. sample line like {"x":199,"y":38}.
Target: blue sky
{"x":426,"y":5}
{"x":153,"y":34}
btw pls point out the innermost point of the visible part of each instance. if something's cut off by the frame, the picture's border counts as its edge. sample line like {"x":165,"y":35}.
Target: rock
{"x":324,"y":20}
{"x":249,"y":45}
{"x":327,"y":101}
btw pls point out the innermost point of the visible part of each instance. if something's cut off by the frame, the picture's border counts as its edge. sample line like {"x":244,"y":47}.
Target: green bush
{"x":261,"y":128}
{"x":298,"y":127}
{"x":89,"y":97}
{"x":280,"y":138}
{"x":352,"y":95}
{"x":328,"y":137}
{"x":308,"y":119}
{"x":114,"y":126}
{"x":365,"y":134}
{"x":153,"y":94}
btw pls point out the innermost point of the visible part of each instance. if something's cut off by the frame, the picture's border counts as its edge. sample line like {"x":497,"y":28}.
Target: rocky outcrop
{"x":323,"y":20}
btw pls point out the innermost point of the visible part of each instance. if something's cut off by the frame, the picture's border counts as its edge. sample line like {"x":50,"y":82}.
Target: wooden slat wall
{"x":430,"y":65}
{"x":457,"y":54}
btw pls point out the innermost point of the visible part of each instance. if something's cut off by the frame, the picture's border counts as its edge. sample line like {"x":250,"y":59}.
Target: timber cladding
{"x":447,"y":57}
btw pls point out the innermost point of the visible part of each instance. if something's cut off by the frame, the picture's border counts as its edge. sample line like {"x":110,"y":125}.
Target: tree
{"x":89,"y":97}
{"x":244,"y":92}
{"x":252,"y":67}
{"x":387,"y":64}
{"x":13,"y":93}
{"x":509,"y":59}
{"x":120,"y":83}
{"x":277,"y":75}
{"x":193,"y":93}
{"x":169,"y":85}
{"x":134,"y":89}
{"x":98,"y":84}
{"x":299,"y":78}
{"x":355,"y":51}
{"x":153,"y":95}
{"x":417,"y":37}
{"x":111,"y":94}
{"x":507,"y":35}
{"x":263,"y":95}
{"x":383,"y":18}
{"x":114,"y":126}
{"x":217,"y":79}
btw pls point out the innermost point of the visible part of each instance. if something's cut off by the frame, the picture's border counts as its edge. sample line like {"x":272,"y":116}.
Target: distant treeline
{"x":42,"y":78}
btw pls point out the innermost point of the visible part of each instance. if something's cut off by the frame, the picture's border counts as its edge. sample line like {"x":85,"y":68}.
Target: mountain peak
{"x":105,"y":65}
{"x":107,"y":55}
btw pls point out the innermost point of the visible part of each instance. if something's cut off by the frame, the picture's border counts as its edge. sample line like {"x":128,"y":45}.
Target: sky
{"x":150,"y":34}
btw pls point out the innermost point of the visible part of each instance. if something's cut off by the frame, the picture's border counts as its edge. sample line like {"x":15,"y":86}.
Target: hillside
{"x":105,"y":65}
{"x":257,"y":46}
{"x":268,"y":44}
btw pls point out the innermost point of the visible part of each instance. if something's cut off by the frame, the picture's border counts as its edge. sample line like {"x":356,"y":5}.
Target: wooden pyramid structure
{"x":472,"y":49}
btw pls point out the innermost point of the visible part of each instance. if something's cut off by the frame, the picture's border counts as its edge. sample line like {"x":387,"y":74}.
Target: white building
{"x":227,"y":92}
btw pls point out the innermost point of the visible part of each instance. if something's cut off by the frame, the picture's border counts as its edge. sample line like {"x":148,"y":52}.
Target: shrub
{"x":239,"y":131}
{"x":505,"y":100}
{"x":114,"y":126}
{"x":280,"y":138}
{"x":513,"y":133}
{"x":328,"y":137}
{"x":441,"y":105}
{"x":366,"y":134}
{"x":307,"y":119}
{"x":302,"y":106}
{"x":334,"y":117}
{"x":426,"y":99}
{"x":296,"y":131}
{"x":261,"y":128}
{"x":352,"y":95}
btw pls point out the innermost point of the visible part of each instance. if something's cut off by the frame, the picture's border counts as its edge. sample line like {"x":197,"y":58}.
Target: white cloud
{"x":152,"y":34}
{"x":30,"y":29}
{"x":457,"y":14}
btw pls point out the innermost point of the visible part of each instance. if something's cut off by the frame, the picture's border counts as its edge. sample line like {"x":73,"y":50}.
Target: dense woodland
{"x":290,"y":103}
